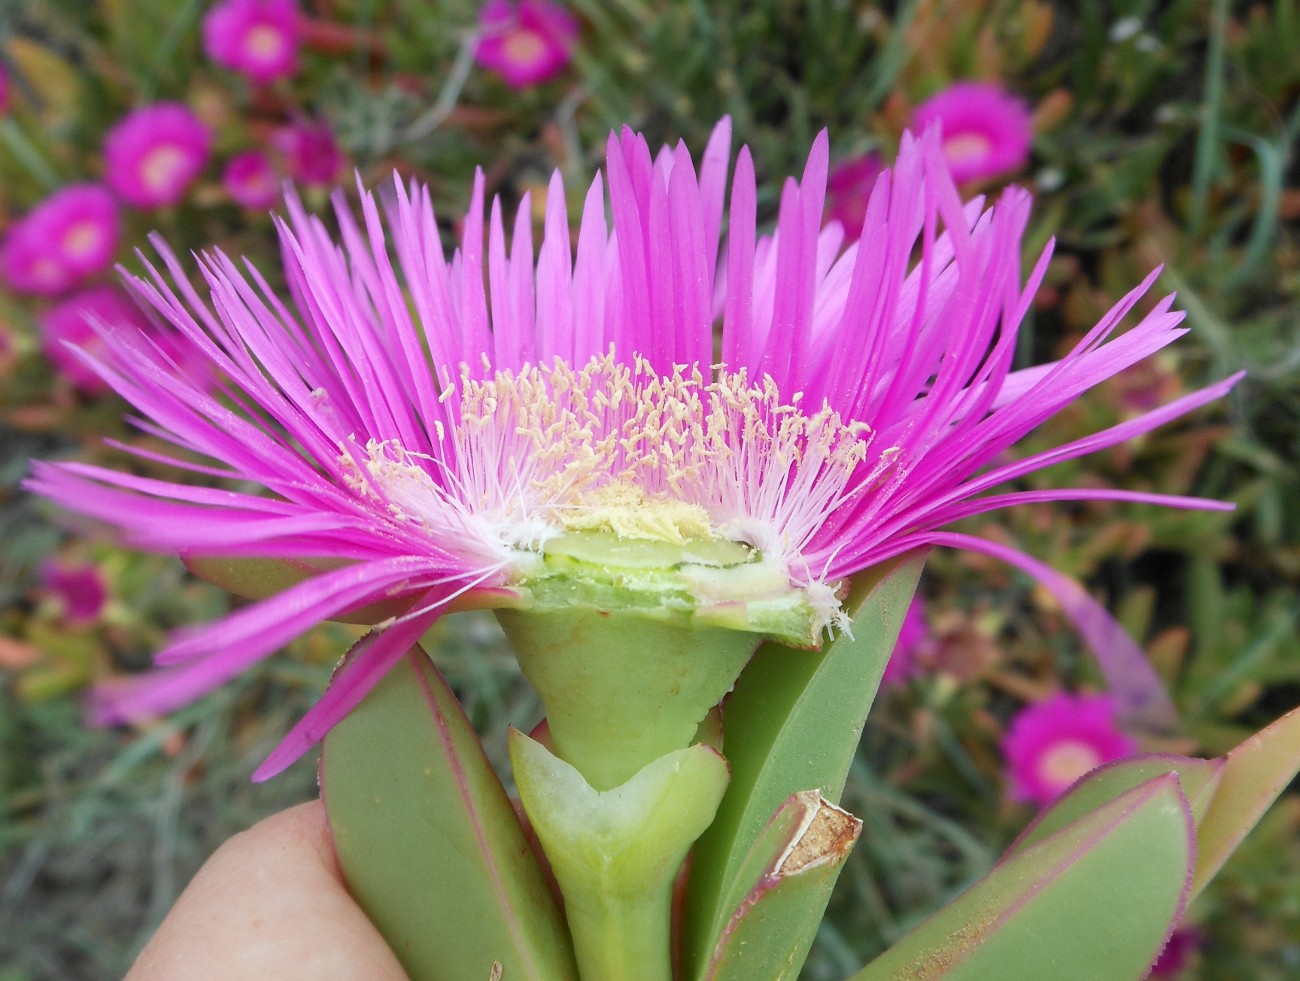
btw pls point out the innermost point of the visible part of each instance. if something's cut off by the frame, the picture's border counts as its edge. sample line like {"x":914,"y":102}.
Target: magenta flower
{"x":527,"y":42}
{"x":912,"y":637}
{"x":80,"y":589}
{"x":1051,"y":744}
{"x":70,"y":235}
{"x":257,"y":38}
{"x":69,"y":328}
{"x":74,"y":331}
{"x":848,"y":188}
{"x":250,"y":180}
{"x":153,"y":155}
{"x":311,"y":154}
{"x":986,"y":132}
{"x":424,"y":425}
{"x":5,"y":91}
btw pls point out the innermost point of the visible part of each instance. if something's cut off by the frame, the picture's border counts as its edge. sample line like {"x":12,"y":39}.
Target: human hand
{"x":269,"y":903}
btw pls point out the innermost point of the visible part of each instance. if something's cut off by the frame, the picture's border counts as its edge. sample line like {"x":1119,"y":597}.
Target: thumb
{"x":269,"y":903}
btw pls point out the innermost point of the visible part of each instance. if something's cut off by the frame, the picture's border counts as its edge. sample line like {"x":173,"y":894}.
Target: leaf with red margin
{"x":428,"y":841}
{"x":791,"y":869}
{"x":1256,"y":772}
{"x":1198,"y":778}
{"x":791,"y":724}
{"x":1094,"y":901}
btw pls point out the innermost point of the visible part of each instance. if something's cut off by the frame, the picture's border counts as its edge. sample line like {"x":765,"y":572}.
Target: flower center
{"x":1066,"y":762}
{"x":700,"y":582}
{"x":264,"y":43}
{"x":962,"y":147}
{"x":617,"y":446}
{"x":619,"y":453}
{"x":82,"y":240}
{"x":524,"y":47}
{"x":163,"y":166}
{"x":629,"y":512}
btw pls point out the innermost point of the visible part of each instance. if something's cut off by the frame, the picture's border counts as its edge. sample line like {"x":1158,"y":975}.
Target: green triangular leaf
{"x":1198,"y":778}
{"x":1256,"y":772}
{"x":1095,"y":901}
{"x":429,"y":842}
{"x":791,"y":871}
{"x":791,"y":724}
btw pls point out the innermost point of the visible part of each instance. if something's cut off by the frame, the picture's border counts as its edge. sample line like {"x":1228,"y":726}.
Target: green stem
{"x":619,"y":939}
{"x":615,"y":853}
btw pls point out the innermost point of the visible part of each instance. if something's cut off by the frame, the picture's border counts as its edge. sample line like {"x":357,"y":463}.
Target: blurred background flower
{"x":69,"y":236}
{"x":69,"y":327}
{"x":525,"y":42}
{"x":310,"y":152}
{"x":79,"y":589}
{"x":913,"y":638}
{"x":848,"y":186}
{"x":1179,"y":953}
{"x":1051,"y":744}
{"x":154,"y":154}
{"x":986,"y":131}
{"x":257,"y":38}
{"x":250,"y":180}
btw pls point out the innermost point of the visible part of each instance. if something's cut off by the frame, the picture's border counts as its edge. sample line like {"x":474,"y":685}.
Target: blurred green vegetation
{"x":1165,"y":134}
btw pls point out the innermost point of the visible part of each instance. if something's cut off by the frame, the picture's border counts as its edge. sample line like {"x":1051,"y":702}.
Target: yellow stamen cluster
{"x":618,"y":446}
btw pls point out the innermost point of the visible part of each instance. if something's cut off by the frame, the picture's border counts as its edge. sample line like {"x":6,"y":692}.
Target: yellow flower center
{"x":616,"y":449}
{"x":264,"y":43}
{"x":161,"y":166}
{"x":611,"y":438}
{"x":524,"y":47}
{"x":82,"y":239}
{"x":962,"y":147}
{"x":1066,"y":762}
{"x":629,"y":512}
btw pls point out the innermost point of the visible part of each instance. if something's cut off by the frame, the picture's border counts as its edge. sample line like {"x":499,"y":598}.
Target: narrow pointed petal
{"x":365,"y":666}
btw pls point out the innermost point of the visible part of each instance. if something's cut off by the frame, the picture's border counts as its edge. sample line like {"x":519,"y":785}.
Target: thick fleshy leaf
{"x":1198,"y":778}
{"x":1256,"y":772}
{"x":791,"y":870}
{"x":1095,"y":901}
{"x":791,"y":724}
{"x":429,"y":842}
